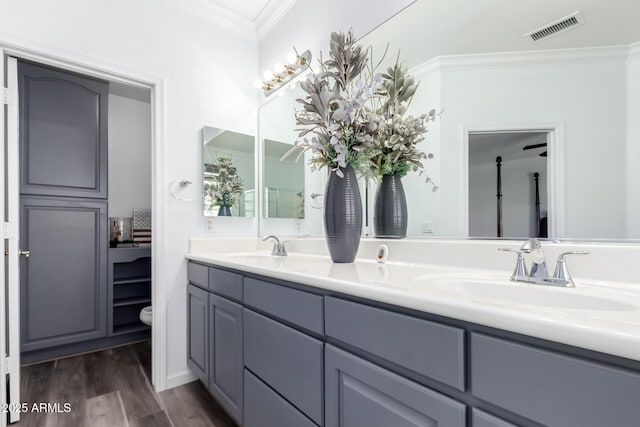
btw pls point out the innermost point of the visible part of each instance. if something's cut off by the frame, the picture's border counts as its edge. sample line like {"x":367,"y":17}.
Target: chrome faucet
{"x":278,"y":247}
{"x":539,"y":274}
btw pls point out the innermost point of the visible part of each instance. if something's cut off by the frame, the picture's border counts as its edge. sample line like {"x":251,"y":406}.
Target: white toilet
{"x":146,"y":315}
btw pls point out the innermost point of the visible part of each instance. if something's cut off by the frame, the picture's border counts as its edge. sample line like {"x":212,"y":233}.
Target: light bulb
{"x":279,"y":67}
{"x":258,"y":83}
{"x":292,"y":58}
{"x":268,"y":74}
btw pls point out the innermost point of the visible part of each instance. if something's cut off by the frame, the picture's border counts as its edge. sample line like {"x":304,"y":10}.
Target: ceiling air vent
{"x":556,"y":27}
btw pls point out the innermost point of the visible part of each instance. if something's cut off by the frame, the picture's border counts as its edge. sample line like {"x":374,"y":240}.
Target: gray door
{"x":63,"y":133}
{"x":361,"y":394}
{"x":63,"y":206}
{"x":225,"y":352}
{"x":63,"y":282}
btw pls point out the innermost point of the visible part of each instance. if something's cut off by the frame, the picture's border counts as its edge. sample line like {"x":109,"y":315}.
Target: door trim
{"x":47,"y":55}
{"x":555,"y":170}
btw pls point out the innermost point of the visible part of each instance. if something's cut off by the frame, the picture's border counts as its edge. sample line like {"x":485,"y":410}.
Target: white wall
{"x":633,"y":143}
{"x":308,"y":25}
{"x":129,"y":155}
{"x":207,"y":73}
{"x":587,"y":99}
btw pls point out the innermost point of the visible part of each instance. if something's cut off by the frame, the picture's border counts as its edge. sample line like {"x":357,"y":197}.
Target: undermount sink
{"x":492,"y":290}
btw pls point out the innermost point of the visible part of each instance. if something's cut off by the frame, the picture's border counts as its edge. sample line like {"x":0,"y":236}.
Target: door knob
{"x":20,"y":252}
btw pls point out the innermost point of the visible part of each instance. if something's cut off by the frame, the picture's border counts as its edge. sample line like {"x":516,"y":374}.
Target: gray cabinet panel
{"x":298,"y":307}
{"x":225,"y":283}
{"x":359,"y":393}
{"x":288,"y":360}
{"x":551,"y":388}
{"x":482,"y":419}
{"x":198,"y":274}
{"x":63,"y":133}
{"x":198,"y":332}
{"x":428,"y":348}
{"x":225,"y":366}
{"x":63,"y":296}
{"x":264,"y":408}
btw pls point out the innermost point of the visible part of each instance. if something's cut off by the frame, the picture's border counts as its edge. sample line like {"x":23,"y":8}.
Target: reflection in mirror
{"x":291,"y":205}
{"x":508,"y":176}
{"x":283,"y":182}
{"x":581,"y":86}
{"x":228,"y":173}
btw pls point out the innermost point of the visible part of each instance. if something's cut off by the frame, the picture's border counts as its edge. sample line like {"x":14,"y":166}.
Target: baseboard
{"x":180,"y":378}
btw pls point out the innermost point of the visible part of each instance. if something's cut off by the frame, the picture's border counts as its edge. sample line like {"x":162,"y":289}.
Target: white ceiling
{"x":431,"y":28}
{"x":247,"y":9}
{"x":251,"y":18}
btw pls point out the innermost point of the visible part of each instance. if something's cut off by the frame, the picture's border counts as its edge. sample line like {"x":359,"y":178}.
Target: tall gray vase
{"x":390,"y":209}
{"x":343,"y":216}
{"x":224,"y":211}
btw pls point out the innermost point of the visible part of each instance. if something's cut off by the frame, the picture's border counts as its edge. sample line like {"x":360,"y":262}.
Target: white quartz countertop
{"x":594,"y":315}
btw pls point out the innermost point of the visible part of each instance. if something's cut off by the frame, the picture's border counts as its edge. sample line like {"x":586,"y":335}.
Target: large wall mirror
{"x":228,"y":173}
{"x":292,"y":200}
{"x":564,"y":108}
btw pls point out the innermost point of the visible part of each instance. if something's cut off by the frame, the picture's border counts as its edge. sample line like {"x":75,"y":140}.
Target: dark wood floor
{"x":113,"y":388}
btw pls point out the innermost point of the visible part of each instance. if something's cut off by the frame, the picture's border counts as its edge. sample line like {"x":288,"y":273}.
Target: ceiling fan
{"x":532,"y":146}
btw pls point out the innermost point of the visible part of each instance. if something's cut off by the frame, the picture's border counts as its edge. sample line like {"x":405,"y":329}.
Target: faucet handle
{"x":521,"y":268}
{"x":562,"y":272}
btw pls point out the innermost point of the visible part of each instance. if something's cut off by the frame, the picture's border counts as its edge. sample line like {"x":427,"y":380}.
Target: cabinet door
{"x":198,"y":332}
{"x":63,"y":284}
{"x":359,"y":393}
{"x":225,"y":353}
{"x":63,"y":133}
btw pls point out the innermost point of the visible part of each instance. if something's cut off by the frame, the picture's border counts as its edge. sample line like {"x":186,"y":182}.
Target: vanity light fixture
{"x":283,"y":72}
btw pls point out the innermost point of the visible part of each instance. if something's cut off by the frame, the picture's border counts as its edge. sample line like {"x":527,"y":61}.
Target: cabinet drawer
{"x":265,"y":408}
{"x":427,"y":348}
{"x":359,"y":393}
{"x":287,"y":360}
{"x":552,"y":388}
{"x":198,"y":274}
{"x":482,"y":419}
{"x":225,"y":283}
{"x":298,"y":307}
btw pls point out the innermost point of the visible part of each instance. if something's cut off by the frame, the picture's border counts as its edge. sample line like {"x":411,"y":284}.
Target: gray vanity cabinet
{"x":198,"y":332}
{"x":359,"y":393}
{"x":215,"y":329}
{"x":225,"y":354}
{"x":552,"y":388}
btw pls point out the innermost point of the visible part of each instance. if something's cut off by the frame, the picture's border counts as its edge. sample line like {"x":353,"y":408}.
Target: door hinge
{"x":9,"y":230}
{"x":8,"y":96}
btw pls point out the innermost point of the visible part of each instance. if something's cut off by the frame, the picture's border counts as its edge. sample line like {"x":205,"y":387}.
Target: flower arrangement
{"x":227,"y":187}
{"x":354,"y":116}
{"x":338,"y":125}
{"x":395,"y":150}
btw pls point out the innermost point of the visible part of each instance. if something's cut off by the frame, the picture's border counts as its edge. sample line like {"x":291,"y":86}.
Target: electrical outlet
{"x":427,"y":227}
{"x":208,"y":225}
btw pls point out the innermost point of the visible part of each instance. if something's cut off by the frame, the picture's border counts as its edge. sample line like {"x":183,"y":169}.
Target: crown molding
{"x":270,"y":15}
{"x":634,"y":52}
{"x":591,"y":55}
{"x":221,"y":16}
{"x":427,"y":67}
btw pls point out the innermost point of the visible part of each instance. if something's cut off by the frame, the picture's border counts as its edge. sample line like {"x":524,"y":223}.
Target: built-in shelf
{"x":132,"y":280}
{"x":130,"y":289}
{"x":131,"y":301}
{"x":129,"y":328}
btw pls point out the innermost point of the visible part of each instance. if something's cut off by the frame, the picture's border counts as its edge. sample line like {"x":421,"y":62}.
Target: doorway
{"x":508,"y":181}
{"x":154,"y":95}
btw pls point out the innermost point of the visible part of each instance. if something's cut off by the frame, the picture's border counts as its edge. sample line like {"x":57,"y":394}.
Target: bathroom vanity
{"x":299,"y":341}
